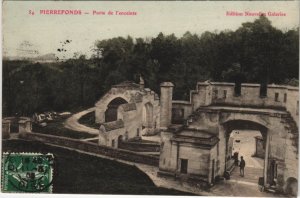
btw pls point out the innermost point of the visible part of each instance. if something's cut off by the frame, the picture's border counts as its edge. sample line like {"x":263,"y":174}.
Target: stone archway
{"x":231,"y":125}
{"x":247,"y":127}
{"x":148,"y":115}
{"x":111,"y":113}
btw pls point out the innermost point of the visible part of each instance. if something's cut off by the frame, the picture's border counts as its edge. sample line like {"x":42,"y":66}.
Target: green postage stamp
{"x":27,"y":172}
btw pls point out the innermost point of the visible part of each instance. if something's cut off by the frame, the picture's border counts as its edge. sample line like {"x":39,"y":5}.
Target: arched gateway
{"x":199,"y":148}
{"x":111,"y":113}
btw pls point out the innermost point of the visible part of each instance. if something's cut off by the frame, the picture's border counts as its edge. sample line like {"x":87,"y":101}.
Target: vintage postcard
{"x":150,"y":98}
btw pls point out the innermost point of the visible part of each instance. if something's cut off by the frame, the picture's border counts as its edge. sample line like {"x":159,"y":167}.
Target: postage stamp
{"x":27,"y":172}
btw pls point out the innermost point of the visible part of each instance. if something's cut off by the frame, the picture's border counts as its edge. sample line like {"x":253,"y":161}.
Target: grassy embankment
{"x":80,"y":173}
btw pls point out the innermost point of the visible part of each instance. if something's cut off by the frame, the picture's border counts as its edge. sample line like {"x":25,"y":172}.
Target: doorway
{"x":247,"y":139}
{"x":245,"y":144}
{"x":183,"y":166}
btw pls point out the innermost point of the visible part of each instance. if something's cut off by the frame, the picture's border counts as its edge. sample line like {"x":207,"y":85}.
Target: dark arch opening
{"x":111,"y":113}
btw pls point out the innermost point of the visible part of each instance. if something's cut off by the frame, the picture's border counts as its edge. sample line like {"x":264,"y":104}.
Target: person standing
{"x":242,"y":166}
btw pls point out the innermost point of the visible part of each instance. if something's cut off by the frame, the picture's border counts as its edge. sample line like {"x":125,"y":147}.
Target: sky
{"x":28,"y":35}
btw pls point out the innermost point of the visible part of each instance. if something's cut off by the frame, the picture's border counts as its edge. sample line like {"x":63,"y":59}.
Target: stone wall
{"x":93,"y":148}
{"x":185,"y":106}
{"x":140,"y":146}
{"x":197,"y":160}
{"x":250,"y":96}
{"x":152,"y":98}
{"x":223,"y":94}
{"x":110,"y":138}
{"x":167,"y":163}
{"x":133,"y":122}
{"x":214,"y":167}
{"x":292,"y":104}
{"x":259,"y":147}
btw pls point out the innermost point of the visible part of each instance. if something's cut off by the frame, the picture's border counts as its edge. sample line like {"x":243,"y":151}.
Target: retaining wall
{"x":140,"y":147}
{"x":93,"y":148}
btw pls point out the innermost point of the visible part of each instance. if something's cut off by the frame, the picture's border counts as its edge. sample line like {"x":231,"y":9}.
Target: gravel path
{"x":73,"y":124}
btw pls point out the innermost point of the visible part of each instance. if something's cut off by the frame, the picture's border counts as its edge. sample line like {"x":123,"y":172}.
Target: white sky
{"x":45,"y":32}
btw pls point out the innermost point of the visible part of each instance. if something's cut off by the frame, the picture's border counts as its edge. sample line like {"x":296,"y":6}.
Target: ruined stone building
{"x":195,"y":134}
{"x":128,"y":110}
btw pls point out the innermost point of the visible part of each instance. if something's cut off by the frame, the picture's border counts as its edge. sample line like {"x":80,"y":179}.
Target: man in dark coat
{"x":242,"y":166}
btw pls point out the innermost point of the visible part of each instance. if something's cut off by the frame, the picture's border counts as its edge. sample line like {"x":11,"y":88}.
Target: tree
{"x":255,"y":52}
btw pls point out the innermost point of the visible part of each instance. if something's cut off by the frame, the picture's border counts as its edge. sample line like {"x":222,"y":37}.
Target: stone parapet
{"x":282,"y":97}
{"x":93,"y":148}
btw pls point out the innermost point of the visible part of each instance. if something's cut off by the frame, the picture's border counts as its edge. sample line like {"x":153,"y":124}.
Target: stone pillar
{"x":142,"y":83}
{"x":266,"y":159}
{"x":25,"y":126}
{"x":5,"y":129}
{"x":102,"y":137}
{"x":100,"y":114}
{"x":166,"y":92}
